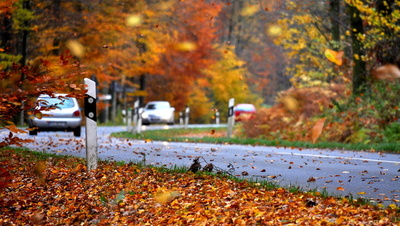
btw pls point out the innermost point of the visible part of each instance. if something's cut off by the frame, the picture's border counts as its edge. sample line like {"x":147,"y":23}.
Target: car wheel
{"x":170,"y":123}
{"x":33,"y":132}
{"x":77,"y":132}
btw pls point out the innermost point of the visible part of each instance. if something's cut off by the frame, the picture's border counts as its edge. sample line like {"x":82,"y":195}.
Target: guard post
{"x":231,"y":116}
{"x":91,"y":125}
{"x":129,"y":120}
{"x":139,"y":122}
{"x":135,"y":116}
{"x":180,"y":118}
{"x":187,"y":110}
{"x":217,"y":117}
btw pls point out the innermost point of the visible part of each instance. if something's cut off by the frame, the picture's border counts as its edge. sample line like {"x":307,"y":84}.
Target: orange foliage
{"x":192,"y":33}
{"x":22,"y":84}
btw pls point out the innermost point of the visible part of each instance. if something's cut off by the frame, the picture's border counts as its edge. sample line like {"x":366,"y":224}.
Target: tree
{"x":359,"y":68}
{"x":250,"y":26}
{"x":227,"y":79}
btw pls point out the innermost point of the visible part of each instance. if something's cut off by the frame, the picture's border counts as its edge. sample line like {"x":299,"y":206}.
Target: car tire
{"x":33,"y":132}
{"x":77,"y":132}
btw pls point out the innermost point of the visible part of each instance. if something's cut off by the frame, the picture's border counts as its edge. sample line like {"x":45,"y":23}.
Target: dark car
{"x":244,"y":112}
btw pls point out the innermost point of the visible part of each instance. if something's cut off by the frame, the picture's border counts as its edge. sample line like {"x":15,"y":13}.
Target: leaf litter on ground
{"x":59,"y":191}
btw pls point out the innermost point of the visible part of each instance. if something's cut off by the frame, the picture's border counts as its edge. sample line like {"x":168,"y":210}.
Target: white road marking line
{"x":338,"y":157}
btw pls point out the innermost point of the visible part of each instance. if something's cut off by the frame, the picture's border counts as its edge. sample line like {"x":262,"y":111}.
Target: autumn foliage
{"x":21,"y":85}
{"x":361,"y":119}
{"x":294,"y":117}
{"x":59,"y":191}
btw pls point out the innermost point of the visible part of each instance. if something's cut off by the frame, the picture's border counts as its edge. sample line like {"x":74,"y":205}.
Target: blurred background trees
{"x":201,"y":53}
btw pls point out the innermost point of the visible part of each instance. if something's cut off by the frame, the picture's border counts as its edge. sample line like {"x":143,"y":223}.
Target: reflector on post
{"x":91,"y":125}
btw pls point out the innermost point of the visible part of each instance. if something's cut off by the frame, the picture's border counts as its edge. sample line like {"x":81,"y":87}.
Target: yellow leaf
{"x":339,"y":220}
{"x":290,"y":103}
{"x":167,"y":196}
{"x":39,"y":115}
{"x":134,"y":20}
{"x":186,"y":46}
{"x":274,"y":30}
{"x":317,"y":129}
{"x":334,"y":56}
{"x":76,"y":48}
{"x":361,"y":193}
{"x":249,"y":10}
{"x":393,"y":206}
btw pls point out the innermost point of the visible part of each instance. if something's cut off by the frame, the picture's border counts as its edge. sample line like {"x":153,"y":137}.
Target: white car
{"x":60,"y":113}
{"x":158,"y":112}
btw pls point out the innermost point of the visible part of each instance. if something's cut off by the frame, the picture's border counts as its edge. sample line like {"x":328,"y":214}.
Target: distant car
{"x":58,"y":113}
{"x":244,"y":112}
{"x":158,"y":112}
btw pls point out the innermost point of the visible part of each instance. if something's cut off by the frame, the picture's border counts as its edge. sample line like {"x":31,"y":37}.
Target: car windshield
{"x":158,"y":106}
{"x":61,"y":103}
{"x":245,"y":107}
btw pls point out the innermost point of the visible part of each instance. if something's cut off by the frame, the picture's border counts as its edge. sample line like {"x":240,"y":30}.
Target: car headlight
{"x":145,"y":115}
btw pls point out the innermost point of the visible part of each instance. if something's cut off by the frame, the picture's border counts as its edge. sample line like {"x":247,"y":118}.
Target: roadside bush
{"x":367,"y":118}
{"x":364,"y":118}
{"x":392,"y":132}
{"x":293,"y":117}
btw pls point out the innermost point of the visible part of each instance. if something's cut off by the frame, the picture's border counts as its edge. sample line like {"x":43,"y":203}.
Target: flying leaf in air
{"x":167,"y":196}
{"x":76,"y":48}
{"x":317,"y":129}
{"x":334,"y":56}
{"x":290,"y":103}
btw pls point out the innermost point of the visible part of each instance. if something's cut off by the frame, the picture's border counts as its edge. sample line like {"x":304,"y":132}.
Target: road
{"x":374,"y":176}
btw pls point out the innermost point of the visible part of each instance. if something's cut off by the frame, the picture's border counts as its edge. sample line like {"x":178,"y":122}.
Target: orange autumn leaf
{"x":317,"y":129}
{"x":340,"y":189}
{"x":334,"y":56}
{"x":14,"y":129}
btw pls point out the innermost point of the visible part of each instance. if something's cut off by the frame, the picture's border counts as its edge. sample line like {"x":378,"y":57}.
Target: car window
{"x":158,"y":106}
{"x":151,"y":106}
{"x":55,"y":102}
{"x":245,"y":108}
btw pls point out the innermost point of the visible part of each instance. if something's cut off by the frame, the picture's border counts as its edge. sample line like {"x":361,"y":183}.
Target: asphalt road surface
{"x":375,"y":176}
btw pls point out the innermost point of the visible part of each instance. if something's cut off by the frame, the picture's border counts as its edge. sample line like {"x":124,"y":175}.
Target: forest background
{"x":330,"y":64}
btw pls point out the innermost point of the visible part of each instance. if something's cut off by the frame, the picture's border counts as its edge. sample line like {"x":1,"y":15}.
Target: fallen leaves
{"x":118,"y":194}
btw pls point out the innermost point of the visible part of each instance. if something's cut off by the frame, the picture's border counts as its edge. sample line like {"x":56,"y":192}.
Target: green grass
{"x":178,"y":135}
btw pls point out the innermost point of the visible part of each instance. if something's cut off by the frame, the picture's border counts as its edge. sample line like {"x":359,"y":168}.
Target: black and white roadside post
{"x":139,"y":123}
{"x":135,"y":116}
{"x":187,"y":111}
{"x":217,"y":117}
{"x":231,"y":116}
{"x":91,"y":125}
{"x":129,"y":120}
{"x":180,"y":118}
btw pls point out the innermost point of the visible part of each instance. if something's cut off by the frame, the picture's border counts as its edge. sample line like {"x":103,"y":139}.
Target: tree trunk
{"x":359,"y":67}
{"x":25,"y":33}
{"x":334,"y":17}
